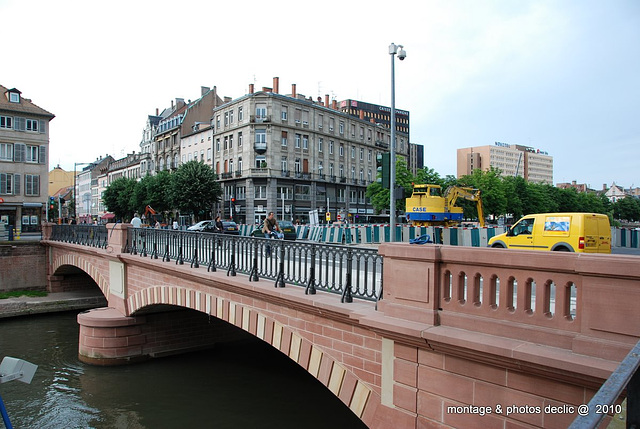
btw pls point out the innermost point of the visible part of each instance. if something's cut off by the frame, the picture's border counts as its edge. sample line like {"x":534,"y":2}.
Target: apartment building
{"x":88,"y":199}
{"x":533,"y":165}
{"x":290,"y":154}
{"x":272,"y":152}
{"x":179,"y":120}
{"x":24,"y":154}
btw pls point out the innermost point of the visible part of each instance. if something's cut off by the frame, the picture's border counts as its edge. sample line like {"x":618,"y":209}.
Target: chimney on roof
{"x":266,"y":89}
{"x":326,"y":100}
{"x":157,"y":112}
{"x":334,"y":104}
{"x":250,"y":88}
{"x":276,"y":85}
{"x":293,"y":90}
{"x":320,"y":100}
{"x":362,"y":114}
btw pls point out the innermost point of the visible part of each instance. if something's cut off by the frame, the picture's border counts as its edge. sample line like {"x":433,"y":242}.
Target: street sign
{"x":1,"y":200}
{"x":327,"y":216}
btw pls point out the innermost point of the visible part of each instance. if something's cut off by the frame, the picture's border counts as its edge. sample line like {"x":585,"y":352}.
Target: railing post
{"x":166,"y":257}
{"x":633,"y":401}
{"x":180,"y":259}
{"x":253,"y":274}
{"x":232,"y":263}
{"x":346,"y":293}
{"x":194,"y":260}
{"x":212,"y":262}
{"x":280,"y":276}
{"x":131,"y":232}
{"x":311,"y":284}
{"x":143,"y":234}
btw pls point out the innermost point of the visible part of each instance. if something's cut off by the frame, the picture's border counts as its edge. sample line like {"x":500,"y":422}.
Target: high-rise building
{"x":24,"y":165}
{"x":533,"y":165}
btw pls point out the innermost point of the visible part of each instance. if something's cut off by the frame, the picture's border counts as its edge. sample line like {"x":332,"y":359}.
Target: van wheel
{"x":497,"y":246}
{"x":561,"y":249}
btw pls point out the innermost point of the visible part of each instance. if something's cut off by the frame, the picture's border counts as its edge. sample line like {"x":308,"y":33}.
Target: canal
{"x":241,"y":384}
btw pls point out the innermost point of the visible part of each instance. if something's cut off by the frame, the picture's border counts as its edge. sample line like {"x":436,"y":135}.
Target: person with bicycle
{"x":270,"y":229}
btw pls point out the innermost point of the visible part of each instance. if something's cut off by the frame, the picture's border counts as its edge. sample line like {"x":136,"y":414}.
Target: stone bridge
{"x":462,"y":337}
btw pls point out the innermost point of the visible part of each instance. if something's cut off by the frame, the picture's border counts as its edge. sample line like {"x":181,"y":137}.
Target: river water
{"x":244,"y":384}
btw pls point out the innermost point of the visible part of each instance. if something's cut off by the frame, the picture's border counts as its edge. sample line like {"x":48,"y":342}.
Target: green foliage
{"x":194,"y":189}
{"x":19,"y":293}
{"x":512,"y":196}
{"x":627,"y":208}
{"x":117,"y":198}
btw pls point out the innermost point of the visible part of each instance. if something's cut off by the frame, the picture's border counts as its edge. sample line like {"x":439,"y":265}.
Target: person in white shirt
{"x":136,"y":222}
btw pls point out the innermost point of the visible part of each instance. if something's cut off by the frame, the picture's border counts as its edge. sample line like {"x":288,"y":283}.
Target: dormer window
{"x":14,"y":97}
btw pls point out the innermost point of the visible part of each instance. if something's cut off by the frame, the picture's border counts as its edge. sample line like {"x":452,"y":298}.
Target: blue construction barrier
{"x":380,"y":233}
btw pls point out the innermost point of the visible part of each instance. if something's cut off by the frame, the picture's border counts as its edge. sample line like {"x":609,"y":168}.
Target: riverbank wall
{"x":23,"y":266}
{"x":53,"y":302}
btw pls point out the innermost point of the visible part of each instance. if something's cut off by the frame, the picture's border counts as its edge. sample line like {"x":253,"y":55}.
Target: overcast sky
{"x":560,"y":76}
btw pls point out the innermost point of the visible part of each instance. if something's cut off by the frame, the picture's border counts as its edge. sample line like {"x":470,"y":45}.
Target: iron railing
{"x":348,"y":271}
{"x":605,"y":401}
{"x":344,"y":270}
{"x":85,"y":235}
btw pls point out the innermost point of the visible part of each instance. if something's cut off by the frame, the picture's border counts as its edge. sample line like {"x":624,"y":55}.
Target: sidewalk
{"x":54,"y":302}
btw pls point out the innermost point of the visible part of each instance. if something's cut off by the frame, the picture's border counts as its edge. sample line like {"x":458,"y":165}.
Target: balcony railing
{"x":260,"y":147}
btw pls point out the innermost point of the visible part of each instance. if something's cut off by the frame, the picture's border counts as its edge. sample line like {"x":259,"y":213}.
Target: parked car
{"x":288,"y":228}
{"x":200,"y":226}
{"x":228,"y":227}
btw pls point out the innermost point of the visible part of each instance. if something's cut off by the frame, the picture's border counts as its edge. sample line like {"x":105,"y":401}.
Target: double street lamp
{"x":393,"y":50}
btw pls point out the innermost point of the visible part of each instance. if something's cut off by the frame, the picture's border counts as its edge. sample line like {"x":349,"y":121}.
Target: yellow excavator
{"x":428,"y":206}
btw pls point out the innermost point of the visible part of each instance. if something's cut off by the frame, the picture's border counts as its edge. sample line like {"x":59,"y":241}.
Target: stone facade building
{"x":290,"y":154}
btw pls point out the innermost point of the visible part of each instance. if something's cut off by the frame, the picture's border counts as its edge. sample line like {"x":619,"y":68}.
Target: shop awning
{"x":108,"y":216}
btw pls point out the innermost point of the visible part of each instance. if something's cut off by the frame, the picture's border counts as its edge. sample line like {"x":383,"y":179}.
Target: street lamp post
{"x":393,"y":50}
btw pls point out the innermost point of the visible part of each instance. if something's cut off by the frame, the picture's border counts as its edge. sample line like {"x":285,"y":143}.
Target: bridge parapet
{"x":582,"y":303}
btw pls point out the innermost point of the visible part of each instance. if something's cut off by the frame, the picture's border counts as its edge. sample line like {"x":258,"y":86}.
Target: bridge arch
{"x":321,"y":364}
{"x":84,"y":264}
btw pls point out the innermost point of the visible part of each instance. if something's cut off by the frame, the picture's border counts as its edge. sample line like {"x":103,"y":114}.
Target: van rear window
{"x":557,"y":223}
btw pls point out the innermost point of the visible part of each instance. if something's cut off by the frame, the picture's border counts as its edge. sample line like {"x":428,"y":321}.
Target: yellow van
{"x":564,"y":232}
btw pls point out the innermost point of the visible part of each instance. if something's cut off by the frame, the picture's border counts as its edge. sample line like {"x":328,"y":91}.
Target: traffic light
{"x":51,"y":199}
{"x":383,"y":166}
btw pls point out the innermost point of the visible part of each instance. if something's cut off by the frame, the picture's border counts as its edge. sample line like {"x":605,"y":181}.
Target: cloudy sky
{"x":560,"y":76}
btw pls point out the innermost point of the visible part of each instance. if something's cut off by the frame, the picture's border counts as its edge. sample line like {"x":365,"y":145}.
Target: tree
{"x":627,"y":208}
{"x":514,"y":187}
{"x":494,"y":200}
{"x":194,"y":189}
{"x":380,"y":197}
{"x":117,"y":197}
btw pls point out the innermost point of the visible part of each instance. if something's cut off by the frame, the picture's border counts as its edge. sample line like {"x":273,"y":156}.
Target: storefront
{"x":25,"y":217}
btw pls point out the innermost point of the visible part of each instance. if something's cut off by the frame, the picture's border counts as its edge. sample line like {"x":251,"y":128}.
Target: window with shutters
{"x":31,"y":185}
{"x":19,"y":152}
{"x":6,"y":152}
{"x":32,"y":154}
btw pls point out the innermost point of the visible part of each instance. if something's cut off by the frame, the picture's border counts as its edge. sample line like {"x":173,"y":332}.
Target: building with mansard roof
{"x":290,"y":154}
{"x":24,"y":155}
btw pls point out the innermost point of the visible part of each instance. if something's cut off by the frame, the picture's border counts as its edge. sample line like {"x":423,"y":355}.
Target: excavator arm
{"x":454,"y":192}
